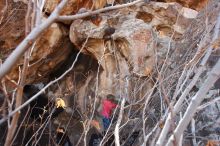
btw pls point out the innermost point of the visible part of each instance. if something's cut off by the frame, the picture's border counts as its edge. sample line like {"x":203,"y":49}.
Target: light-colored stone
{"x":48,"y":52}
{"x":193,"y":4}
{"x":129,"y":50}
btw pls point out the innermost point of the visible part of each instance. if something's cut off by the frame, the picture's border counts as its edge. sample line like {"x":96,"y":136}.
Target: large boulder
{"x":124,"y":41}
{"x":47,"y":53}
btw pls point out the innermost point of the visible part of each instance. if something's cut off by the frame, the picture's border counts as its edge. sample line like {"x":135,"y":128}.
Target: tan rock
{"x":193,"y":4}
{"x":48,"y":52}
{"x":73,"y":6}
{"x":12,"y":25}
{"x":129,"y":49}
{"x":51,"y":49}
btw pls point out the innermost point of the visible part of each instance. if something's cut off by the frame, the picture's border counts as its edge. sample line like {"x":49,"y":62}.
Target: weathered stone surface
{"x":124,"y":41}
{"x":193,"y":4}
{"x":124,"y":53}
{"x":12,"y":25}
{"x":168,"y":18}
{"x":73,"y":6}
{"x":50,"y":49}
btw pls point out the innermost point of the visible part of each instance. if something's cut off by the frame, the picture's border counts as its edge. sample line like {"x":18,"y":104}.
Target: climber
{"x":108,"y":105}
{"x":95,"y":139}
{"x":62,"y":138}
{"x":105,"y":110}
{"x":41,"y":105}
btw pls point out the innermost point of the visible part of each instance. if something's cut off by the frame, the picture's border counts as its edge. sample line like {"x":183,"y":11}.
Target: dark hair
{"x":110,"y":97}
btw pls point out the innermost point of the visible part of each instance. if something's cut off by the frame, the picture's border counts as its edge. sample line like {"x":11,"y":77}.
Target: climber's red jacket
{"x":107,"y":107}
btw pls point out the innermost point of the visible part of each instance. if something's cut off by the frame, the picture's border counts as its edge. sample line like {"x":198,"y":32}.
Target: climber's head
{"x":111,"y":98}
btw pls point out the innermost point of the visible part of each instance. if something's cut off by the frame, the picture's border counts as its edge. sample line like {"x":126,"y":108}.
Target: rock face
{"x":71,"y":8}
{"x":74,"y":6}
{"x":123,"y":52}
{"x":47,"y":53}
{"x":12,"y":25}
{"x":124,"y":42}
{"x":193,"y":4}
{"x":123,"y":45}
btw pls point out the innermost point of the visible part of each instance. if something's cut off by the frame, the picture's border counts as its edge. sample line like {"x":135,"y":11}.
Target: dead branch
{"x":96,"y":96}
{"x":196,"y":100}
{"x":208,"y":104}
{"x":89,"y":13}
{"x":178,"y":106}
{"x":13,"y":127}
{"x":23,"y":46}
{"x":41,"y":91}
{"x":193,"y":129}
{"x":116,"y":132}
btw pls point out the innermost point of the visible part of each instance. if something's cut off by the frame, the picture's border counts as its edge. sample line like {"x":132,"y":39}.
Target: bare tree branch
{"x":178,"y":105}
{"x":19,"y":94}
{"x":217,"y":99}
{"x":22,"y":47}
{"x":41,"y":91}
{"x":89,"y":13}
{"x":196,"y":100}
{"x":193,"y":129}
{"x":116,"y":132}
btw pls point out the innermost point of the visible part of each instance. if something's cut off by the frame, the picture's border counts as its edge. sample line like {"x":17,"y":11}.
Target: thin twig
{"x":13,"y":127}
{"x":86,"y":14}
{"x":196,"y":100}
{"x":178,"y":105}
{"x":116,"y":131}
{"x":193,"y":129}
{"x":41,"y":91}
{"x":208,"y":103}
{"x":149,"y":134}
